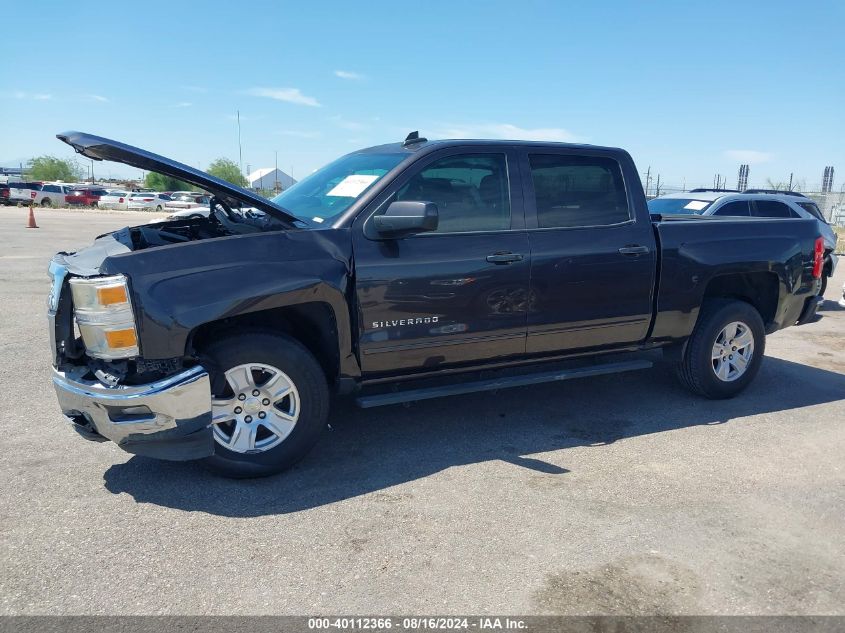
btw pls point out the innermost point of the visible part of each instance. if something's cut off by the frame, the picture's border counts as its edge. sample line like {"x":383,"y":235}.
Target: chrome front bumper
{"x":167,"y":419}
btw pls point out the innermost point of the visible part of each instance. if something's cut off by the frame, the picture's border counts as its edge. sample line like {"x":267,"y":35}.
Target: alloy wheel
{"x":257,"y":410}
{"x":732,"y":351}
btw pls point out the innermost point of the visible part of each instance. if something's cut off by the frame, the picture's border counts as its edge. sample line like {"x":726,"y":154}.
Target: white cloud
{"x":183,"y":104}
{"x":750,"y":156}
{"x":508,"y":131}
{"x":99,"y":98}
{"x":290,"y":95}
{"x":346,"y":124}
{"x":348,"y":74}
{"x":31,"y":95}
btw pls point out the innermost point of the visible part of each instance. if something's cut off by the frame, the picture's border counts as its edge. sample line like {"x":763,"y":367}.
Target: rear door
{"x":457,"y":295}
{"x":592,"y":251}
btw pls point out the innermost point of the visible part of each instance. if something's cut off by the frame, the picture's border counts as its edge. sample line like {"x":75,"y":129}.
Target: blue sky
{"x":690,"y":89}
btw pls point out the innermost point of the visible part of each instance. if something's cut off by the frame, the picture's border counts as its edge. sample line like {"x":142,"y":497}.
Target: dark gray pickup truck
{"x":399,"y":273}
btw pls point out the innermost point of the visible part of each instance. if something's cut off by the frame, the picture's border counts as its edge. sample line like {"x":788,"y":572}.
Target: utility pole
{"x":276,"y":174}
{"x":657,"y":189}
{"x":790,"y":182}
{"x":647,"y":179}
{"x":240,"y":151}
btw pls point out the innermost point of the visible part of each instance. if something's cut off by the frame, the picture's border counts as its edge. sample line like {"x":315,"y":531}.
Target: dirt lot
{"x":619,"y":494}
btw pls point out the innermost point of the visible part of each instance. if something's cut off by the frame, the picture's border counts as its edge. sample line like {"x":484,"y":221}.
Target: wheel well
{"x":312,"y":324}
{"x":759,"y":289}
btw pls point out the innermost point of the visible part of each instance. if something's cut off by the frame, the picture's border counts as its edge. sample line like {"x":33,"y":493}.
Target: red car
{"x":85,"y":196}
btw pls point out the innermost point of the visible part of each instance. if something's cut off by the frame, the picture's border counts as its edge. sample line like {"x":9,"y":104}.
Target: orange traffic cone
{"x":31,"y":224}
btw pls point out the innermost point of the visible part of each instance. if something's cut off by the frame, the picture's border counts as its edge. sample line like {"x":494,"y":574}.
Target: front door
{"x":457,"y":295}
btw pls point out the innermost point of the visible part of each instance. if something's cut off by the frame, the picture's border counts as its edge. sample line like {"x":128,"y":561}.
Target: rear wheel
{"x":158,"y":208}
{"x":269,"y":403}
{"x":46,"y":202}
{"x":724,"y":352}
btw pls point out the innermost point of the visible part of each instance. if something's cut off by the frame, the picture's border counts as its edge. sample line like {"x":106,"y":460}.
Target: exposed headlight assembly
{"x":104,"y":315}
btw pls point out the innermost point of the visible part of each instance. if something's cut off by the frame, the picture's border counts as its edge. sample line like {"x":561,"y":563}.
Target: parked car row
{"x":60,"y":194}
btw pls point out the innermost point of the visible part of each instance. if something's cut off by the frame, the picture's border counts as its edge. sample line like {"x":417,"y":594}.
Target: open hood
{"x":99,"y":148}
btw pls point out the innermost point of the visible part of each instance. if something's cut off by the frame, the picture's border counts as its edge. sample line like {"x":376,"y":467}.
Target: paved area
{"x":620,"y":494}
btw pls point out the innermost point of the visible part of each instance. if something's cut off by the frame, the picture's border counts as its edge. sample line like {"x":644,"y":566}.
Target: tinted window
{"x":772,"y":209}
{"x":740,"y":207}
{"x":470,"y":191}
{"x":50,"y":188}
{"x":578,"y":191}
{"x":812,"y":209}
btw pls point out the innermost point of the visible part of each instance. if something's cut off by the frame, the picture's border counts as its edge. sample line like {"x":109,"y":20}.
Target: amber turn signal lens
{"x":110,"y":295}
{"x":121,"y":338}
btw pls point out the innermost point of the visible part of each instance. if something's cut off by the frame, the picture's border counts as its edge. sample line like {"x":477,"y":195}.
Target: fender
{"x":180,"y":287}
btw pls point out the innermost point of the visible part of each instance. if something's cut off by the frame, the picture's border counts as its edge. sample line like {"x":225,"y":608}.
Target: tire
{"x":158,"y":209}
{"x":309,"y":397}
{"x":825,"y":274}
{"x":698,"y":368}
{"x":46,"y":202}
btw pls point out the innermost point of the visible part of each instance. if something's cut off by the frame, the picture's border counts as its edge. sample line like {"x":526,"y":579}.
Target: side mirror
{"x":406,"y":217}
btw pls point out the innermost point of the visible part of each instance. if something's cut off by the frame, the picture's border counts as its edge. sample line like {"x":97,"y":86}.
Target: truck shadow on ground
{"x":370,"y":450}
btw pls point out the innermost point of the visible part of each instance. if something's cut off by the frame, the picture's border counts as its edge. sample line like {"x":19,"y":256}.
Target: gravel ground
{"x":620,"y":494}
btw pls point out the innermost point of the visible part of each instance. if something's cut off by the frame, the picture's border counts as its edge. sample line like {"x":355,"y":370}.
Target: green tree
{"x":227,"y":170}
{"x":160,"y":182}
{"x":52,"y":168}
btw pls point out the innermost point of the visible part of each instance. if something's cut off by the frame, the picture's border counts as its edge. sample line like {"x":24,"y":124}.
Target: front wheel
{"x":724,"y":352}
{"x":269,"y":403}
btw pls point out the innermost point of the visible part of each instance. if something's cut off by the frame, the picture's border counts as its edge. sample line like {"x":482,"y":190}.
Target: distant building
{"x":270,"y":179}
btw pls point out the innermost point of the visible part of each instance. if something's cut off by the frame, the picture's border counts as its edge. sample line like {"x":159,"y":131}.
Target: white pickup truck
{"x":52,"y":194}
{"x":23,"y":192}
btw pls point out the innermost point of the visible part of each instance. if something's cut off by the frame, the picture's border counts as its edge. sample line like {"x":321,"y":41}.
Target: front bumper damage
{"x":166,"y":419}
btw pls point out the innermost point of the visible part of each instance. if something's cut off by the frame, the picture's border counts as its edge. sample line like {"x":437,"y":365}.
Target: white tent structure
{"x":269,"y":178}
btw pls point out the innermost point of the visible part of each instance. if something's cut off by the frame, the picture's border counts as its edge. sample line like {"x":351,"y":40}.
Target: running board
{"x":397,"y":397}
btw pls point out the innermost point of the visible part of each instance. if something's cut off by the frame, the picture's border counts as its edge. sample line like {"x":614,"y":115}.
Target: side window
{"x":772,"y":209}
{"x":470,"y":190}
{"x":574,"y":191}
{"x":812,"y":209}
{"x":739,"y":207}
{"x":51,"y":189}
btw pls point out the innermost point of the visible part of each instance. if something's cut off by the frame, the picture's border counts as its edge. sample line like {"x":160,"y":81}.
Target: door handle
{"x":634,"y":249}
{"x":504,"y":258}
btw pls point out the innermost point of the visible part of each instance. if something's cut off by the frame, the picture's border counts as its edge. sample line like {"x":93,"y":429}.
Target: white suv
{"x":760,"y":203}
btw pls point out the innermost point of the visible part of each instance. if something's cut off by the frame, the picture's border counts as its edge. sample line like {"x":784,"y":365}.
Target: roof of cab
{"x":441,"y":143}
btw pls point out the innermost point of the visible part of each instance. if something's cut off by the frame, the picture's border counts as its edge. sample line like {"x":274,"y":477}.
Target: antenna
{"x":412,"y":138}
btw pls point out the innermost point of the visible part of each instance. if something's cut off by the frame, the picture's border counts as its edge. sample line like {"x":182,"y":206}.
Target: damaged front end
{"x":159,"y":409}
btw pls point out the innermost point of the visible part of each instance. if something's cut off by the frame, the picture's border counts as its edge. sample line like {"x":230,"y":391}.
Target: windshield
{"x":329,"y":191}
{"x":678,"y":205}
